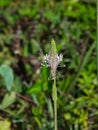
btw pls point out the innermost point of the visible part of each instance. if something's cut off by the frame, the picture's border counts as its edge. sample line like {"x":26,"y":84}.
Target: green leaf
{"x":5,"y":125}
{"x":8,"y":100}
{"x":35,"y":88}
{"x":7,"y":74}
{"x":4,"y":2}
{"x":53,"y":17}
{"x":67,"y":116}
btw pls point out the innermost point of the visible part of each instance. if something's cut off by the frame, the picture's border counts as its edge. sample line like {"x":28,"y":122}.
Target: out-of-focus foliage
{"x":26,"y":29}
{"x":7,"y":74}
{"x":5,"y":125}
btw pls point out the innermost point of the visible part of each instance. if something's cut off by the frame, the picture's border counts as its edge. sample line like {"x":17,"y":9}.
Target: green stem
{"x":54,"y":92}
{"x":97,"y":42}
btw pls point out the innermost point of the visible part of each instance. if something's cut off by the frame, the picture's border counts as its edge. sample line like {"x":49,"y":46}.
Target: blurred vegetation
{"x":26,"y":29}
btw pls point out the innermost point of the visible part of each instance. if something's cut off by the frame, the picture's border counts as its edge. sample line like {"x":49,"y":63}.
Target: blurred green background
{"x":26,"y":30}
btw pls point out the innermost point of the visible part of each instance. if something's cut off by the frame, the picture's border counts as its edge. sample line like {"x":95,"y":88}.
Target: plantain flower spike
{"x":53,"y":59}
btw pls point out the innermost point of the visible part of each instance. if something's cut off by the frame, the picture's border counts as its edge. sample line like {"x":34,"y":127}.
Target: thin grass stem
{"x":55,"y":103}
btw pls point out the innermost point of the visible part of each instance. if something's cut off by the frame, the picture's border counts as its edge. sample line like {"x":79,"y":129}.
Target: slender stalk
{"x":97,"y":42}
{"x":54,"y":91}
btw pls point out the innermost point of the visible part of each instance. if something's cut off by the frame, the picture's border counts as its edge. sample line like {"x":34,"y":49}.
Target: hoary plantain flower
{"x":53,"y":59}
